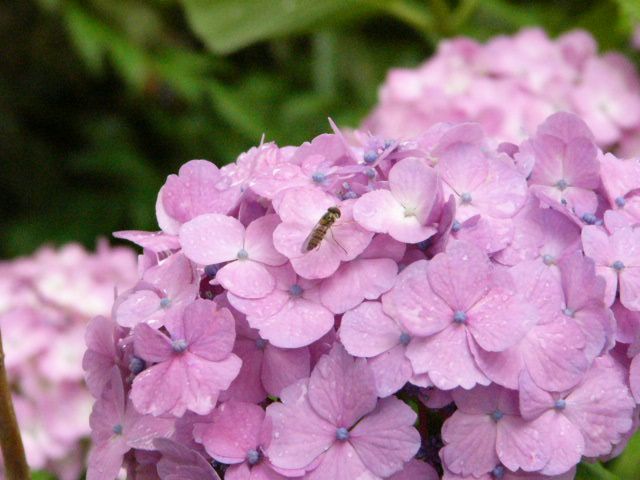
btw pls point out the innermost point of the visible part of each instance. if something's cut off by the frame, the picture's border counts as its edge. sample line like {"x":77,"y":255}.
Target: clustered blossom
{"x":46,"y":301}
{"x":511,"y":84}
{"x":493,"y":291}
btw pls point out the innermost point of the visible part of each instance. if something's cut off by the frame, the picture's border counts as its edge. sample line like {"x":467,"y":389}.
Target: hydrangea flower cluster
{"x":511,"y":84}
{"x":370,"y":308}
{"x":46,"y":301}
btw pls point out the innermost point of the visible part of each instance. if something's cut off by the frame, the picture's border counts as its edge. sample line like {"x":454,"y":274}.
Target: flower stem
{"x":15,"y":462}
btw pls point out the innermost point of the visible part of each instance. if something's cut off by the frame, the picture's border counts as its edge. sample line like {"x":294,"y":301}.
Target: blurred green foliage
{"x":101,"y":99}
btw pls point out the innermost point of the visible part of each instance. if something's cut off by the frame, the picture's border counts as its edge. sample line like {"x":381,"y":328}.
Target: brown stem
{"x":15,"y":462}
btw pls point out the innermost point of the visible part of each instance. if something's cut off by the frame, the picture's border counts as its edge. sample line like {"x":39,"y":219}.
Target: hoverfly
{"x":320,"y":230}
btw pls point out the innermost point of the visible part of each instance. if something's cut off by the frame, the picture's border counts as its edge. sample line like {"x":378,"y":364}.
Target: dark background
{"x":100,"y":100}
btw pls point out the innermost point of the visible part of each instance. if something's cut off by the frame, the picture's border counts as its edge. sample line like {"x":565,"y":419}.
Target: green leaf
{"x":629,"y":13}
{"x":594,"y":471}
{"x":228,"y":25}
{"x":627,"y":465}
{"x":42,"y":475}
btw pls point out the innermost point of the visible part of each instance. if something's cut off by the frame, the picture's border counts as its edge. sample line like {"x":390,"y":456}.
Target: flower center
{"x":465,"y":197}
{"x":370,"y":156}
{"x":549,"y":259}
{"x":342,"y":434}
{"x":405,"y":338}
{"x":295,"y":290}
{"x":253,"y":457}
{"x":589,"y":218}
{"x":179,"y":345}
{"x":318,"y":177}
{"x":261,"y":343}
{"x":117,"y":429}
{"x":370,"y":173}
{"x":498,"y":472}
{"x":560,"y":404}
{"x":242,"y":254}
{"x":561,"y":184}
{"x":456,"y":226}
{"x":165,"y":302}
{"x":617,"y":266}
{"x":497,"y":415}
{"x":136,"y":365}
{"x":211,"y":270}
{"x":621,"y":202}
{"x":460,"y":317}
{"x":569,"y":312}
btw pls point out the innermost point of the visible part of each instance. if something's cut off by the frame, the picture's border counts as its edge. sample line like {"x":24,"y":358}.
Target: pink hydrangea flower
{"x":454,"y":305}
{"x":586,"y":420}
{"x":117,"y":427}
{"x":566,"y":169}
{"x":46,"y":302}
{"x":468,"y":81}
{"x":404,"y":210}
{"x":213,"y":238}
{"x":199,"y":188}
{"x":277,"y":316}
{"x":333,"y":425}
{"x":237,"y":435}
{"x":300,"y":210}
{"x":481,"y":308}
{"x":191,"y":366}
{"x":164,"y":287}
{"x":487,"y":430}
{"x":617,"y":258}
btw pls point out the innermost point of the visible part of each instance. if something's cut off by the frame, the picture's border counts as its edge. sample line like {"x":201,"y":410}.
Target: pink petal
{"x":375,"y":209}
{"x":566,"y":444}
{"x":299,"y":434}
{"x":247,"y":386}
{"x":150,"y":344}
{"x":366,"y":331}
{"x":500,"y":319}
{"x":303,"y":206}
{"x":463,"y":166}
{"x":504,"y":192}
{"x":446,"y":358}
{"x":601,"y":407}
{"x":246,"y":278}
{"x":634,"y":377}
{"x":356,"y":281}
{"x":414,"y":304}
{"x":581,"y":167}
{"x":630,"y":288}
{"x":521,"y":444}
{"x":284,"y":329}
{"x":182,"y":463}
{"x":141,"y":430}
{"x":416,"y":470}
{"x":100,"y":356}
{"x":460,"y":275}
{"x":140,"y":306}
{"x":341,"y":389}
{"x":596,"y":245}
{"x":234,"y":430}
{"x":212,"y":238}
{"x":259,"y":241}
{"x":209,"y":332}
{"x":341,"y":462}
{"x":283,"y":367}
{"x":386,"y":439}
{"x":470,"y":444}
{"x":391,"y":371}
{"x":155,"y":241}
{"x":105,"y":460}
{"x":414,"y":185}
